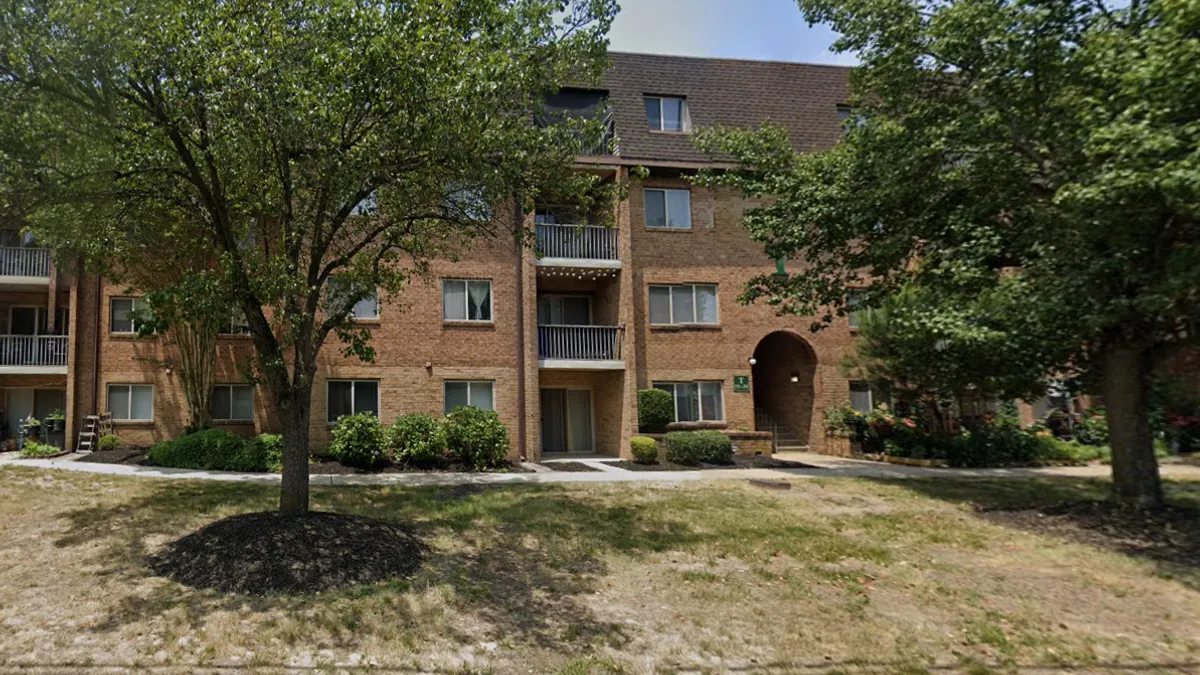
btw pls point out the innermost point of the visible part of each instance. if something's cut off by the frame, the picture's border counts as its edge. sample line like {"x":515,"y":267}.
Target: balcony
{"x":593,"y":246}
{"x":580,"y":347}
{"x":33,"y":354}
{"x":23,"y":265}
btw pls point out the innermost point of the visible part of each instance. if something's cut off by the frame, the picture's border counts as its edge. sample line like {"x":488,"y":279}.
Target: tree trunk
{"x":293,"y":491}
{"x":1134,"y":466}
{"x":197,"y":347}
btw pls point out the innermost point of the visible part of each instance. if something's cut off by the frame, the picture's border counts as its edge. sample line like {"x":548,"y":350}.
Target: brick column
{"x":627,"y":294}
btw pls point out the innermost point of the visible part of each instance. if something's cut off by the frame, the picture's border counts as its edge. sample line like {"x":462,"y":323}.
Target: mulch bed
{"x":326,"y":467}
{"x":1171,"y":534}
{"x":267,"y":553}
{"x":739,"y":462}
{"x":118,"y":456}
{"x":569,"y":466}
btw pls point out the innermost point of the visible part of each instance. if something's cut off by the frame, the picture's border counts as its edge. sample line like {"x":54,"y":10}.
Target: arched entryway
{"x":783,"y":372}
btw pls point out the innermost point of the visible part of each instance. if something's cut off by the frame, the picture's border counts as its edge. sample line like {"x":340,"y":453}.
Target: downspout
{"x":520,"y":269}
{"x":96,"y":351}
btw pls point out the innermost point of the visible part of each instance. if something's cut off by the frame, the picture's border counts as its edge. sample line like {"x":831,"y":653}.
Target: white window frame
{"x":666,"y":208}
{"x":467,"y":300}
{"x":469,"y":383}
{"x":699,"y":401}
{"x":685,"y":114}
{"x":354,"y":396}
{"x":231,"y":418}
{"x":234,"y":327}
{"x":671,"y":303}
{"x":133,"y":307}
{"x":108,"y":402}
{"x":854,"y":316}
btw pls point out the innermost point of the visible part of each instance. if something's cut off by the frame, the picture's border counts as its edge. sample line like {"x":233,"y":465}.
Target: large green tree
{"x":1044,"y":151}
{"x":315,"y":145}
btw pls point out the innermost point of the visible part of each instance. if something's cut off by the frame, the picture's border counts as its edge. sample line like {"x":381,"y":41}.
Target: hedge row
{"x":469,"y":436}
{"x":220,"y":450}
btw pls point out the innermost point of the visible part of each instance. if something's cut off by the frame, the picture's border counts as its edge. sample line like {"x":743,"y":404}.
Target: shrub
{"x":477,"y":438}
{"x":358,"y":441}
{"x":417,"y":439}
{"x":656,"y":409}
{"x":33,"y":449}
{"x":108,"y":442}
{"x":214,"y":449}
{"x":693,"y":447}
{"x":271,"y":447}
{"x":645,"y":449}
{"x":1092,"y":429}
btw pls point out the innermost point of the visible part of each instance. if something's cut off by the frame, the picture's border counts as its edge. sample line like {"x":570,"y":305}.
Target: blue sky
{"x":747,"y":29}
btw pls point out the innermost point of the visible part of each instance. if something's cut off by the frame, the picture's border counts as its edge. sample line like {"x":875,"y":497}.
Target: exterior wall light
{"x":753,"y":360}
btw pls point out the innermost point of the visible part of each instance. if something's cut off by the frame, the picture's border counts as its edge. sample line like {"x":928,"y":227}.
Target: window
{"x":855,"y":316}
{"x":131,"y":402}
{"x":696,"y":401}
{"x":367,"y":308}
{"x":121,"y":319}
{"x":683,"y":304}
{"x":237,"y":323}
{"x":350,"y":397}
{"x":866,"y":396}
{"x":667,"y":113}
{"x":233,"y":402}
{"x":668,"y":209}
{"x":464,"y":300}
{"x":461,"y":393}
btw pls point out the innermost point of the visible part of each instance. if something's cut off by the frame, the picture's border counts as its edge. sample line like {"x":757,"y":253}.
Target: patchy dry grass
{"x":832,"y":575}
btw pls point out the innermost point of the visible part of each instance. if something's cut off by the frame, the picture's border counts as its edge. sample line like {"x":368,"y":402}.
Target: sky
{"x":746,"y":29}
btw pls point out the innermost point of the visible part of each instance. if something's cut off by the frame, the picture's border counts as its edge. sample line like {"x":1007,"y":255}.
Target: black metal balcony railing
{"x":580,"y":343}
{"x":33,"y":350}
{"x":581,"y":242}
{"x":18,"y":261}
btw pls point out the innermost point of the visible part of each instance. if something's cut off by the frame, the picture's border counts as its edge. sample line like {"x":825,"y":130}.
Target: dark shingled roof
{"x":804,"y":98}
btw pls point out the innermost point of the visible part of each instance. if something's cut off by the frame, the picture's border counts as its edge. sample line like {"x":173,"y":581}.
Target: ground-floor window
{"x":696,"y":401}
{"x":478,"y":393}
{"x":131,"y":402}
{"x":233,"y":403}
{"x":866,"y":396}
{"x":350,"y":397}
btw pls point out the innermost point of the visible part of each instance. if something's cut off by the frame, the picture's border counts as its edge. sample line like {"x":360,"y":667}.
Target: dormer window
{"x":667,"y":113}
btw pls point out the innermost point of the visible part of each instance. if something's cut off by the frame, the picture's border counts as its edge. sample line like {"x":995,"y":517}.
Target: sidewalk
{"x":823,"y":467}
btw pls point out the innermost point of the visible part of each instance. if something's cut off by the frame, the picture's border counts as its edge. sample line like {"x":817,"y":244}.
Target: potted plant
{"x":33,"y":427}
{"x":57,"y":420}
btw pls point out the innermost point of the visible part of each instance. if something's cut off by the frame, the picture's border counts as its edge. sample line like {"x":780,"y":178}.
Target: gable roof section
{"x":801,"y":97}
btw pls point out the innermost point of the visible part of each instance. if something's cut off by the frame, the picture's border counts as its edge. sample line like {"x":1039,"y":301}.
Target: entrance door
{"x":567,"y":421}
{"x":564,"y":310}
{"x":20,"y":406}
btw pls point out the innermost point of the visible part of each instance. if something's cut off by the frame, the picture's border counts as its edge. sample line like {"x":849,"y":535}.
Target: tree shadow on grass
{"x":521,"y":558}
{"x":1081,"y":511}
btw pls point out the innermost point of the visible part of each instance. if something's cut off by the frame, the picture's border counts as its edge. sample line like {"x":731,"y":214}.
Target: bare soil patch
{"x":268,"y":553}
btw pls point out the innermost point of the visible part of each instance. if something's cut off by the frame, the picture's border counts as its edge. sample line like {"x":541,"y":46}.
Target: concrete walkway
{"x":823,"y":467}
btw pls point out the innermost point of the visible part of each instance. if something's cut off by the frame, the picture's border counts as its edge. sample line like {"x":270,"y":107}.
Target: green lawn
{"x":837,"y":574}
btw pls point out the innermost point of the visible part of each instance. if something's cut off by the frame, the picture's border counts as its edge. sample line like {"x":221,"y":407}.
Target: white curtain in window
{"x":682,"y":309}
{"x":480,"y":293}
{"x":687,"y":402}
{"x":706,"y":304}
{"x":480,"y":395}
{"x":367,"y":308}
{"x":579,"y":412}
{"x":860,"y":396}
{"x":454,"y":300}
{"x":711,"y":405}
{"x":660,"y":304}
{"x":679,"y":209}
{"x":141,"y":406}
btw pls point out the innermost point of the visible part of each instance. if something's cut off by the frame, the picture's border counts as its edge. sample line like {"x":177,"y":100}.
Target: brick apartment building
{"x":557,"y":343}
